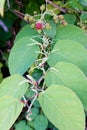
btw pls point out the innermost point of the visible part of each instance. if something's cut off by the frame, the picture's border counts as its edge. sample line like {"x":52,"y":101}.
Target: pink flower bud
{"x":39,"y":25}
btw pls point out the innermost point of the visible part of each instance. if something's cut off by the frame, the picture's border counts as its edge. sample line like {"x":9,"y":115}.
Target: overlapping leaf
{"x":69,"y":51}
{"x":10,"y":108}
{"x":12,"y":90}
{"x":72,"y":32}
{"x":24,"y":52}
{"x":63,"y":108}
{"x":83,"y":2}
{"x":14,"y":86}
{"x":71,"y":76}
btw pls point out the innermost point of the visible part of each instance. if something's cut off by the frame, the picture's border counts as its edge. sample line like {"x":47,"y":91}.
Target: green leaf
{"x":1,"y":75}
{"x":75,"y":5}
{"x":35,"y":112}
{"x":2,"y":2}
{"x":55,"y":10}
{"x":29,"y":93}
{"x":72,"y":32}
{"x":23,"y":54}
{"x":10,"y":109}
{"x":13,"y":86}
{"x":69,"y":51}
{"x":51,"y":32}
{"x":37,"y":73}
{"x":40,"y":122}
{"x":71,"y":76}
{"x":63,"y":108}
{"x":22,"y":126}
{"x":36,"y":104}
{"x":70,"y":18}
{"x":83,"y":17}
{"x":32,"y":6}
{"x":26,"y":31}
{"x":83,"y":2}
{"x":31,"y":124}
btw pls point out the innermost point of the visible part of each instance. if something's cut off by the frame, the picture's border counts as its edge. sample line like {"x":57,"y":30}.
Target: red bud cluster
{"x":39,"y":25}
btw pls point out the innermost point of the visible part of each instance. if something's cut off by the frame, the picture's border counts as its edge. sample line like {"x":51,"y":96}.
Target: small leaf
{"x":31,"y":124}
{"x":83,"y":17}
{"x":40,"y":122}
{"x":22,"y":126}
{"x":83,"y":2}
{"x":10,"y":108}
{"x":63,"y":108}
{"x":70,"y":18}
{"x":71,"y":76}
{"x":75,"y":5}
{"x":72,"y":32}
{"x":69,"y":51}
{"x":13,"y":86}
{"x":2,"y":2}
{"x":36,"y":104}
{"x":51,"y":32}
{"x":35,"y":112}
{"x":24,"y":52}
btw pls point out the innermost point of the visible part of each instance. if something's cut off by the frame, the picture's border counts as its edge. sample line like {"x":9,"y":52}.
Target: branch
{"x":19,"y":14}
{"x":56,"y":6}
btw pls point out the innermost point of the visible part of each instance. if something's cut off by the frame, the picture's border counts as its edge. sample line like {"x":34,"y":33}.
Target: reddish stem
{"x":56,"y":6}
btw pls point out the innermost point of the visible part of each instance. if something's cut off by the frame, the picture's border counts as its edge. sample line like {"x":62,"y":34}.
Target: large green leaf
{"x":26,"y":31}
{"x":63,"y":108}
{"x":70,"y":51}
{"x":71,"y":76}
{"x":72,"y":32}
{"x":10,"y":108}
{"x":13,"y":86}
{"x":2,"y":2}
{"x":1,"y":75}
{"x":23,"y":54}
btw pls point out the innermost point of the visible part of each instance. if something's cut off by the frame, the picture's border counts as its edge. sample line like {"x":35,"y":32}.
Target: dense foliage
{"x":43,"y":64}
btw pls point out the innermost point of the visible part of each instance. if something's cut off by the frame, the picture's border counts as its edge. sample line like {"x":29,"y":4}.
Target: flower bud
{"x":39,"y":25}
{"x":33,"y":25}
{"x":39,"y":30}
{"x":31,"y":19}
{"x":63,"y":22}
{"x":48,"y":26}
{"x":83,"y":27}
{"x":26,"y":17}
{"x":42,"y":7}
{"x":60,"y":17}
{"x":35,"y":12}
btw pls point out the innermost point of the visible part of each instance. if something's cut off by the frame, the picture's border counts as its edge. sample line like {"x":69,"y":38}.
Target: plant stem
{"x":56,"y":6}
